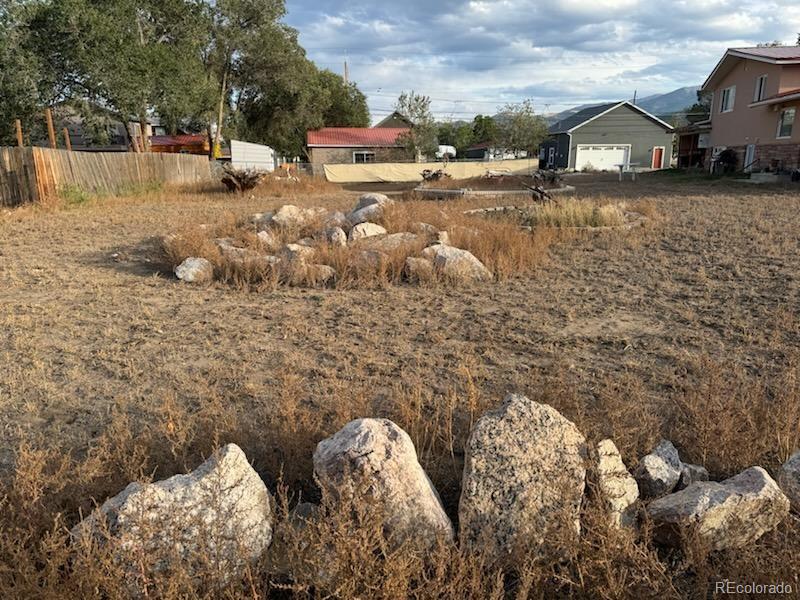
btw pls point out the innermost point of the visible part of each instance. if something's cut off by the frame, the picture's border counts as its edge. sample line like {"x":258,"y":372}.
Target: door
{"x":606,"y":157}
{"x":749,"y":157}
{"x":658,"y":157}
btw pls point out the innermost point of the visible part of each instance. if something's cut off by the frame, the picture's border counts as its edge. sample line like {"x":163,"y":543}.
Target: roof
{"x":581,"y":118}
{"x":178,"y":140}
{"x":779,"y":98}
{"x":395,"y":116}
{"x":776,"y":55}
{"x":355,"y":137}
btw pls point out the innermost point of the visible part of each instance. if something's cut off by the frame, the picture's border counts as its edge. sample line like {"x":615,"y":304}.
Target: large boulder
{"x":659,"y":472}
{"x":364,"y":230}
{"x":195,"y":270}
{"x":789,"y":480}
{"x":289,"y":216}
{"x":335,"y":236}
{"x":458,"y":264}
{"x":372,"y":199}
{"x":616,"y":485}
{"x":419,"y":270}
{"x":524,"y":478}
{"x":391,"y":242}
{"x":219,"y":514}
{"x":297,"y":253}
{"x":373,"y":462}
{"x":730,"y":514}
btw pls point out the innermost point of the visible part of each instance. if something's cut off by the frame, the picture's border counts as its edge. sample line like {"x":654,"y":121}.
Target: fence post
{"x":18,"y":125}
{"x":67,"y":141}
{"x":51,"y":132}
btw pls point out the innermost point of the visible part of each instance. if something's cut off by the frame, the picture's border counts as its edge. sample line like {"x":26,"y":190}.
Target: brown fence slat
{"x":28,"y":174}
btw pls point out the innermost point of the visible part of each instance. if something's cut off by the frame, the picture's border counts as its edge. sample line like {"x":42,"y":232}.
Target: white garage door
{"x":601,"y":157}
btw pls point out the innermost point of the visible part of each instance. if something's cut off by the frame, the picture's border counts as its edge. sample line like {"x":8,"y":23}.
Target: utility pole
{"x":20,"y":140}
{"x":51,"y":132}
{"x":634,"y":96}
{"x":346,"y":72}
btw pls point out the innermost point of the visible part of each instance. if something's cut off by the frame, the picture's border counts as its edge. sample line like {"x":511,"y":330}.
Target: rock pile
{"x":524,"y":479}
{"x":430,"y":254}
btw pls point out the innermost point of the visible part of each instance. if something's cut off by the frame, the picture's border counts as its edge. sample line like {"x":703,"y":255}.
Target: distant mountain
{"x":661,"y":105}
{"x":671,"y":102}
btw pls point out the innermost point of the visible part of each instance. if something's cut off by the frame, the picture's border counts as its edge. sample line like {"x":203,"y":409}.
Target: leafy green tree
{"x":421,"y":138}
{"x":484,"y":129}
{"x":459,"y":135}
{"x":520,"y":128}
{"x":347,"y":105}
{"x":19,"y":72}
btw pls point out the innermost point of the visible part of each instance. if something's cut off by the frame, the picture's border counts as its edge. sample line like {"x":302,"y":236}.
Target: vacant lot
{"x":686,"y":328}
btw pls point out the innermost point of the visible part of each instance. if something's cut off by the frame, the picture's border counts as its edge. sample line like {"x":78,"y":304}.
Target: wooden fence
{"x":32,"y":174}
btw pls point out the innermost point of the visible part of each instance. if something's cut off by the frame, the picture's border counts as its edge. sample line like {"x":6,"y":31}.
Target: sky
{"x":472,"y":57}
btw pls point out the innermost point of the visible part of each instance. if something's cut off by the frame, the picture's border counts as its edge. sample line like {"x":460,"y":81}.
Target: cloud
{"x":472,"y":56}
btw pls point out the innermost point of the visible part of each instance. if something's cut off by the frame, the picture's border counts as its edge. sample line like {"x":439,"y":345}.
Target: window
{"x":363,"y":157}
{"x":728,"y":96}
{"x":761,"y":89}
{"x":785,"y":123}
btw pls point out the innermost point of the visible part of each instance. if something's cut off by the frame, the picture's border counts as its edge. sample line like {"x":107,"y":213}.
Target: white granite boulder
{"x":658,"y":472}
{"x":524,"y":478}
{"x":391,"y":242}
{"x":220,"y":513}
{"x":335,"y":236}
{"x":419,"y":269}
{"x":789,"y":480}
{"x":729,"y":514}
{"x":289,"y":216}
{"x":365,"y":230}
{"x":374,"y":460}
{"x":616,"y":485}
{"x":369,"y":207}
{"x":455,"y":263}
{"x":195,"y":270}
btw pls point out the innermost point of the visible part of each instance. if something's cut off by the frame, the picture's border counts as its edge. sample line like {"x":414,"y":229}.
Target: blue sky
{"x":472,"y":56}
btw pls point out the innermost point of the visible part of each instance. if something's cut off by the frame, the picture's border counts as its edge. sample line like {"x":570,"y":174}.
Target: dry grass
{"x":280,"y":186}
{"x":570,"y":212}
{"x":502,"y":246}
{"x":113,"y":373}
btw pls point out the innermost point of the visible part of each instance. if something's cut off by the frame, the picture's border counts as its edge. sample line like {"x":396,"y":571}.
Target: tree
{"x":19,"y":72}
{"x":520,"y":129}
{"x":459,"y":135}
{"x":484,"y":129}
{"x":421,"y":138}
{"x":347,"y":105}
{"x":700,"y":110}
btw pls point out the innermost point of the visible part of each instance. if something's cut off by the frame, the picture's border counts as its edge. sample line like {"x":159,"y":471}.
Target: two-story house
{"x":755,"y":106}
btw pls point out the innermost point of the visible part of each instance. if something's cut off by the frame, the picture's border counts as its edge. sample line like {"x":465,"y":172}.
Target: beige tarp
{"x":401,"y":172}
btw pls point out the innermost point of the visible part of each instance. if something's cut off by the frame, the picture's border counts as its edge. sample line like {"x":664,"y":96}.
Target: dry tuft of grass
{"x":278,"y":185}
{"x":572,"y":212}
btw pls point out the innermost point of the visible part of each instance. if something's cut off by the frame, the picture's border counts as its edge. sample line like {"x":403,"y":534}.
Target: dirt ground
{"x":88,"y":324}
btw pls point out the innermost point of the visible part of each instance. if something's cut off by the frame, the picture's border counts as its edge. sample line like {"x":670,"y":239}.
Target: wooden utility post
{"x":67,"y":141}
{"x":20,"y":140}
{"x":51,"y":132}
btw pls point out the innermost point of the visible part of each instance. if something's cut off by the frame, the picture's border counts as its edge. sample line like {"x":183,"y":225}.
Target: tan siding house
{"x":755,"y":106}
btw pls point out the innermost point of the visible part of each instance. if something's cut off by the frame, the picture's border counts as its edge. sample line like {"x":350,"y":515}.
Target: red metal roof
{"x":177,"y":140}
{"x":356,"y":136}
{"x":774,"y":53}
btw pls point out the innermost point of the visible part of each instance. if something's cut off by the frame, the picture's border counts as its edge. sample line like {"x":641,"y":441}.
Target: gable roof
{"x":777,"y":55}
{"x":581,"y":118}
{"x":394,"y":117}
{"x":355,"y":137}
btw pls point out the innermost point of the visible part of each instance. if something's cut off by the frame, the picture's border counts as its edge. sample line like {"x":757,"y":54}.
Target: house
{"x":394,"y":121}
{"x":602,"y":137}
{"x":341,"y":145}
{"x":181,"y":144}
{"x":756,"y":98}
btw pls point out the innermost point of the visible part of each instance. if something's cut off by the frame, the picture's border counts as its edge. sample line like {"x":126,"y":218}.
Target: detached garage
{"x":603,"y":137}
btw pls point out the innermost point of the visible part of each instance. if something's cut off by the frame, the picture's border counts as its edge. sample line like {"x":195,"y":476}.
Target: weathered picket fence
{"x":33,"y":174}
